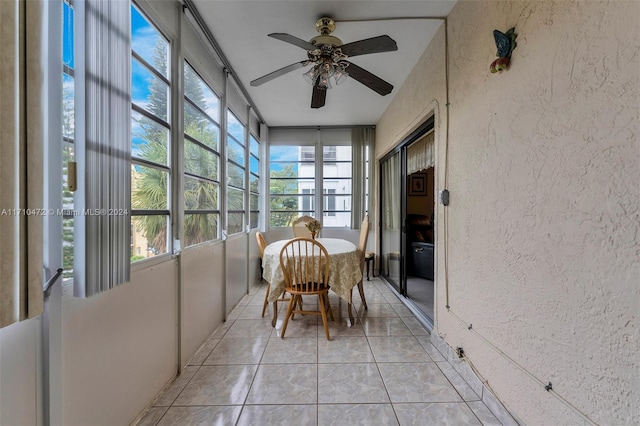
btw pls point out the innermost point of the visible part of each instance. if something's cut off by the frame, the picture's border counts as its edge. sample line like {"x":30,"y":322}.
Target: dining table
{"x":344,"y":269}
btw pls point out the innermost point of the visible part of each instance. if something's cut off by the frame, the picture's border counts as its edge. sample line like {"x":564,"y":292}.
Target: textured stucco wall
{"x":544,"y":173}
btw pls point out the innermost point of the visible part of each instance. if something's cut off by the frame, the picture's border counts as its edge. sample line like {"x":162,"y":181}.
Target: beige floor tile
{"x":237,"y":351}
{"x":250,"y":328}
{"x":343,"y":349}
{"x":277,"y":383}
{"x":356,"y":414}
{"x":398,"y":349}
{"x":278,"y":415}
{"x":291,"y":350}
{"x":417,"y":382}
{"x":435,"y":414}
{"x":152,"y":416}
{"x":385,"y":327}
{"x":187,"y":416}
{"x":218,"y":385}
{"x":351,"y":384}
{"x":171,"y":392}
{"x":382,"y":369}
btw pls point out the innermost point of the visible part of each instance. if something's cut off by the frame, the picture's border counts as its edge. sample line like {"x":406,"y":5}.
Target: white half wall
{"x":543,"y":171}
{"x":203,"y":287}
{"x":236,"y":256}
{"x":19,"y":367}
{"x":120,"y":347}
{"x":254,"y":276}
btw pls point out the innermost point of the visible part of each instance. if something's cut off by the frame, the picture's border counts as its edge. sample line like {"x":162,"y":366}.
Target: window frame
{"x":211,"y":150}
{"x":169,"y":169}
{"x":230,"y":162}
{"x":319,"y":197}
{"x":251,"y":174}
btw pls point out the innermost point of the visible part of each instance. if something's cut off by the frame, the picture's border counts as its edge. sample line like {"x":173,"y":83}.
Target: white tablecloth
{"x":344,"y":267}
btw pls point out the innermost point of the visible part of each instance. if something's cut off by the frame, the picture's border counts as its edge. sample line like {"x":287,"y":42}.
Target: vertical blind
{"x":103,"y":129}
{"x":21,"y":155}
{"x":361,"y":138}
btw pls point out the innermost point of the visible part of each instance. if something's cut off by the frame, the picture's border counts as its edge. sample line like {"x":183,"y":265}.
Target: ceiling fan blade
{"x":373,"y":82}
{"x":278,"y":73}
{"x":318,"y":97}
{"x":382,"y":43}
{"x":288,"y":38}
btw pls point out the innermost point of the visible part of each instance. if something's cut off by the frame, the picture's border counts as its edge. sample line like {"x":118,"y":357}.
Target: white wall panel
{"x":253,"y":266}
{"x":19,"y":358}
{"x":236,"y":268}
{"x":203,"y":283}
{"x":120,"y":347}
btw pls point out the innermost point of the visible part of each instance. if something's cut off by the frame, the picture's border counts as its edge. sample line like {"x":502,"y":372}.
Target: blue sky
{"x":144,"y":39}
{"x":67,"y":40}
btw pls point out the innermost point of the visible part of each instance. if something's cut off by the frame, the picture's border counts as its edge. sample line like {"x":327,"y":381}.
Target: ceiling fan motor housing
{"x":325,"y":26}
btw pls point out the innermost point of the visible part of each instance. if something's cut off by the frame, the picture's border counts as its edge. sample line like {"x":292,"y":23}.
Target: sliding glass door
{"x":407,"y":194}
{"x":391,"y":188}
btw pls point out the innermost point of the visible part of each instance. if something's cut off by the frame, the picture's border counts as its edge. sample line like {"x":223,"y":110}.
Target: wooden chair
{"x":300,"y":228}
{"x":305,"y":265}
{"x":262,"y":244}
{"x":362,"y":247}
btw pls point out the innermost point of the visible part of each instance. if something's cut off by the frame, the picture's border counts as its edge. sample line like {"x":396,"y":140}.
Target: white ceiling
{"x":240,"y":28}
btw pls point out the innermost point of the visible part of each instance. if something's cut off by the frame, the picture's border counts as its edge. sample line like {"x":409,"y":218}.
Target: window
{"x":308,"y":200}
{"x":68,"y":134}
{"x":254,"y":182}
{"x":151,"y":161}
{"x":329,"y":204}
{"x":291,"y":183}
{"x":293,"y":172}
{"x":308,"y":153}
{"x":235,"y":174}
{"x":201,"y":160}
{"x":336,"y":186}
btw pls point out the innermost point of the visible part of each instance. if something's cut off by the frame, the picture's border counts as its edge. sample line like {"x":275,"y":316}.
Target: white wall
{"x":120,"y":347}
{"x":203,"y":283}
{"x":544,"y":165}
{"x":19,"y":361}
{"x":236,"y":257}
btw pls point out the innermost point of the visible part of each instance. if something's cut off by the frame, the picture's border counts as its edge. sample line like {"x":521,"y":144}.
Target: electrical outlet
{"x":444,"y":197}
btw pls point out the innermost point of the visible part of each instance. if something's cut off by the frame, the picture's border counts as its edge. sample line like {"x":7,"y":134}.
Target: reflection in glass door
{"x":391,"y":220}
{"x":407,"y":194}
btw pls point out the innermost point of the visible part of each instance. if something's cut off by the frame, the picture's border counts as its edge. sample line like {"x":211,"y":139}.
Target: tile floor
{"x":381,"y":371}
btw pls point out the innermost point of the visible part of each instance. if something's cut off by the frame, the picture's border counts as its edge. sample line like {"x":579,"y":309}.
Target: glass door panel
{"x":391,"y":215}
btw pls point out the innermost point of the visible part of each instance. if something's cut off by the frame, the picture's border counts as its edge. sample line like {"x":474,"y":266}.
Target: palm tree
{"x":150,"y":185}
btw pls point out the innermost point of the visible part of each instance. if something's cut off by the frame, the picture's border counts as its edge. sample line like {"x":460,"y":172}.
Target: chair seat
{"x":301,"y":289}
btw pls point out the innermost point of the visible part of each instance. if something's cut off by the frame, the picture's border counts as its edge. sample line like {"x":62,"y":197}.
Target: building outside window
{"x":336,"y":186}
{"x":293,"y":179}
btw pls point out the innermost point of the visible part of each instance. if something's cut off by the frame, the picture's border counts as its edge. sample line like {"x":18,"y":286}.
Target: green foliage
{"x":150,"y":188}
{"x":283,"y":209}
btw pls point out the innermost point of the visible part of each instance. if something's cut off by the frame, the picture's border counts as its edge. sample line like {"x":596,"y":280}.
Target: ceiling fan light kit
{"x":329,"y":58}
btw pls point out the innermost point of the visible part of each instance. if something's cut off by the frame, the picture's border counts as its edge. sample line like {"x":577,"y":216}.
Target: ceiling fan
{"x":329,"y":58}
